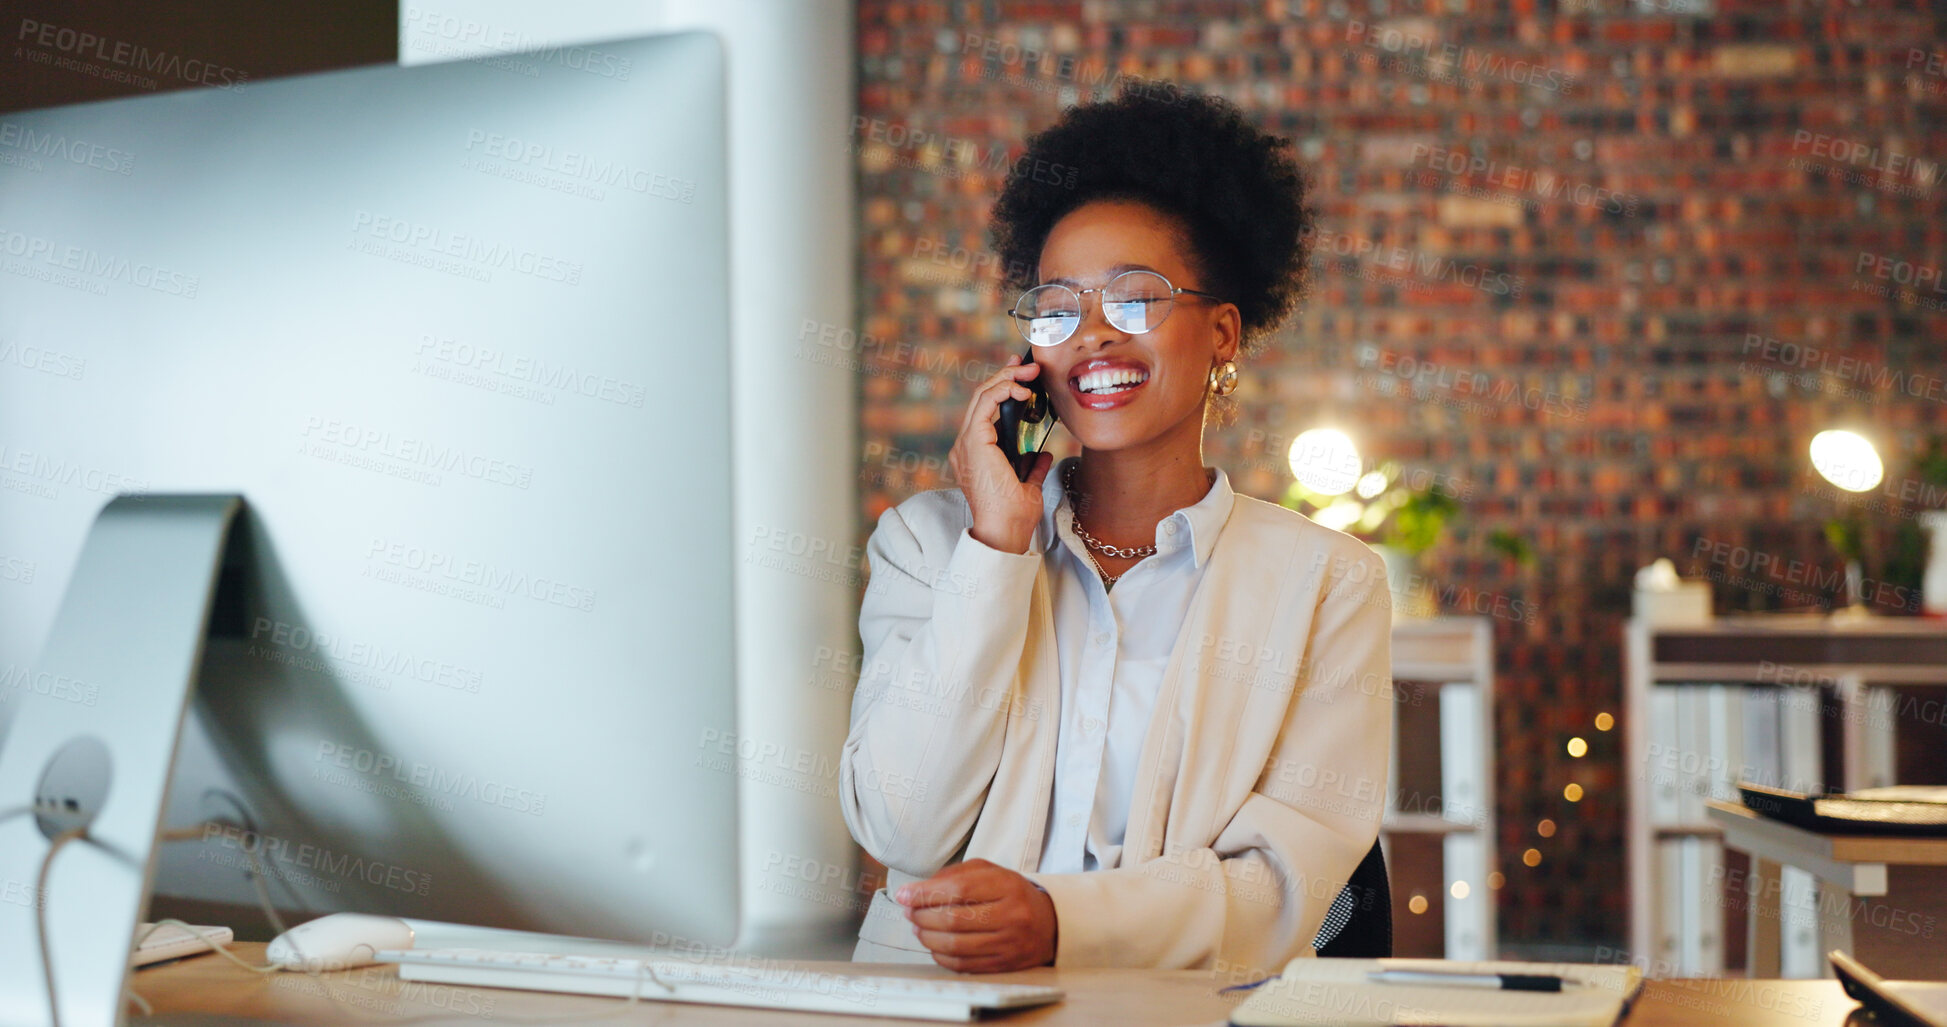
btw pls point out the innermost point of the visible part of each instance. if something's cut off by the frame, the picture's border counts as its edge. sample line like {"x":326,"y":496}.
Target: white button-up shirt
{"x":1113,"y":647}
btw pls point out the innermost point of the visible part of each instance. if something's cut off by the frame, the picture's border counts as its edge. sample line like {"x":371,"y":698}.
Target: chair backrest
{"x":1360,"y":922}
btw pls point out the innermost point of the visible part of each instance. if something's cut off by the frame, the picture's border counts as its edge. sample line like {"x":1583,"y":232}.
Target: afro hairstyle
{"x":1193,"y":157}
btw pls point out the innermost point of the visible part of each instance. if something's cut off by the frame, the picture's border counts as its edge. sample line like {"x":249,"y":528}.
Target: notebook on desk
{"x":1341,"y":991}
{"x":1894,"y":810}
{"x":1893,"y":1003}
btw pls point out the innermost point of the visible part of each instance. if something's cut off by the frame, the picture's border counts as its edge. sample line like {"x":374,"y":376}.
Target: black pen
{"x":1462,"y":979}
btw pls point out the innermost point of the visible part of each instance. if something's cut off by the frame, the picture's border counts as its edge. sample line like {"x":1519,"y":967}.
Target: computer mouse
{"x":338,"y":941}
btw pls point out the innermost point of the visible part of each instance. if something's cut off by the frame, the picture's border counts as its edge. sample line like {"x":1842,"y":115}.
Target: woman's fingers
{"x":966,"y":944}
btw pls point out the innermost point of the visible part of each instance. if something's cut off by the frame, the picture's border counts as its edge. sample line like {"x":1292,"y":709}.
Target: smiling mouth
{"x":1109,"y":382}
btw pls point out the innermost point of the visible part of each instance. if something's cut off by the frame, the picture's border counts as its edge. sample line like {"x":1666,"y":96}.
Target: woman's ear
{"x":1230,"y":331}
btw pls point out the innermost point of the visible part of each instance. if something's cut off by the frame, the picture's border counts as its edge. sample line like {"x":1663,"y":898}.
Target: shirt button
{"x":1074,"y":820}
{"x":1169,"y":528}
{"x":1100,"y":638}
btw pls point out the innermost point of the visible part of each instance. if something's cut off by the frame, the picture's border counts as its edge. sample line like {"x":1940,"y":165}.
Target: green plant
{"x":1381,"y":509}
{"x":1512,"y":546}
{"x":1906,"y":558}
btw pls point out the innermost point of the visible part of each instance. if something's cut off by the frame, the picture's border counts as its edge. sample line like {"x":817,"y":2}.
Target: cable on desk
{"x":201,"y":831}
{"x":54,"y":848}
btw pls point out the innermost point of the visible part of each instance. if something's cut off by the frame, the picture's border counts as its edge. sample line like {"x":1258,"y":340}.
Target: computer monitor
{"x":459,"y":336}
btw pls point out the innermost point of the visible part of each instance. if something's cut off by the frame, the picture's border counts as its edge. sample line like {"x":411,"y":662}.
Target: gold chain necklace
{"x":1090,"y":542}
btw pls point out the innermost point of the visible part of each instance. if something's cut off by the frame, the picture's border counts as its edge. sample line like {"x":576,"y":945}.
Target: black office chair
{"x":1360,"y":923}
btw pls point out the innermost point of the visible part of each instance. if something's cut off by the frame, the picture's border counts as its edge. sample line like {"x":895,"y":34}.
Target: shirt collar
{"x":1204,"y":519}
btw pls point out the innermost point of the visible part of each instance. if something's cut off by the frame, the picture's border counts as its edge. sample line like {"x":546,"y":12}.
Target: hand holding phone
{"x":1025,"y":424}
{"x":1003,"y":488}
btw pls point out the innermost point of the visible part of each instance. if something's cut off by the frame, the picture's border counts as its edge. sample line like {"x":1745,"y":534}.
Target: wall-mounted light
{"x":1848,"y":460}
{"x":1325,"y":461}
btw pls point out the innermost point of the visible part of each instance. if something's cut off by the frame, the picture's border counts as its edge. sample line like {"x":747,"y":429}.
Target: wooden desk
{"x":1882,"y":898}
{"x":208,"y":984}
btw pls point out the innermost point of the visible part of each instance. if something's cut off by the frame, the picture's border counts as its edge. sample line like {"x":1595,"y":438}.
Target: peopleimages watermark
{"x":1447,"y":62}
{"x":35,"y":473}
{"x":313,"y":866}
{"x":405,"y":241}
{"x":86,"y":268}
{"x":1931,"y":65}
{"x":1787,"y":357}
{"x":380,"y":990}
{"x":50,"y":362}
{"x":1471,"y":389}
{"x":806,"y":555}
{"x":794,"y":767}
{"x":17,"y":569}
{"x":428,"y":569}
{"x":517,"y":375}
{"x":956,"y":155}
{"x":1893,"y":278}
{"x":26,"y":680}
{"x":1897,"y":702}
{"x":1048,"y":71}
{"x":1851,"y":161}
{"x":576,"y":172}
{"x":425,"y":784}
{"x":982,"y":270}
{"x":1727,"y":999}
{"x":402,"y":456}
{"x":832,"y":345}
{"x":1407,"y":263}
{"x":279,"y":641}
{"x":1527,"y":183}
{"x":22,"y":146}
{"x":471,"y":33}
{"x":1811,"y":902}
{"x":821,"y":881}
{"x":1769,"y":573}
{"x":883,"y":683}
{"x":118,"y":60}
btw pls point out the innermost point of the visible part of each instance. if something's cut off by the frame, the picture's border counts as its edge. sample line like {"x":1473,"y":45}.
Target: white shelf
{"x":1455,"y":655}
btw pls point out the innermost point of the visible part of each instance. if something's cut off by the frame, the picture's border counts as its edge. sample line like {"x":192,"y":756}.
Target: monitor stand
{"x":91,"y":742}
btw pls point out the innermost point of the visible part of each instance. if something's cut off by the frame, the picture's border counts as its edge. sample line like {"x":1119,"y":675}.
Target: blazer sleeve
{"x":943,"y":624}
{"x":1256,"y":897}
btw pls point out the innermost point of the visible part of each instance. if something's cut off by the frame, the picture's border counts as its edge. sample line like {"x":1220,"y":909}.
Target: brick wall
{"x":1607,"y":265}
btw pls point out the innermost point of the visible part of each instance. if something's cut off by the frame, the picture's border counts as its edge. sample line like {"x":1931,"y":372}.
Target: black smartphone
{"x":1025,"y":424}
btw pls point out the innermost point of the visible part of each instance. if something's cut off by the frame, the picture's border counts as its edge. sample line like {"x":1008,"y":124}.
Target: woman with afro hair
{"x":1116,"y":714}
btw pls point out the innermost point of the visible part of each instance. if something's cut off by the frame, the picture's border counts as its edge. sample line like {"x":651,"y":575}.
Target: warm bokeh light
{"x":1847,"y":460}
{"x":1578,"y":748}
{"x":1532,"y":857}
{"x":1604,"y":722}
{"x":1371,"y":485}
{"x":1546,"y":828}
{"x":1325,"y":461}
{"x":1573,"y":792}
{"x":1459,"y":890}
{"x":1416,"y":904}
{"x":1496,"y":879}
{"x":1340,"y":515}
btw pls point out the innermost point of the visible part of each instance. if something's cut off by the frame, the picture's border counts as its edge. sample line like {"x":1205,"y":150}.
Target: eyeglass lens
{"x":1133,"y":302}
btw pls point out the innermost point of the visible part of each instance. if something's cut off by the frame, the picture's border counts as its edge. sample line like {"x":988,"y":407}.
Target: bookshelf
{"x":1741,"y":698}
{"x":1452,"y":660}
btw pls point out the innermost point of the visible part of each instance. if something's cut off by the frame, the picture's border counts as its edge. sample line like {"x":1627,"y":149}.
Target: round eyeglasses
{"x":1133,"y":302}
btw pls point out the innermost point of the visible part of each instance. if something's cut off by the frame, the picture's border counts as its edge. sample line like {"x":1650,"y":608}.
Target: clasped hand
{"x":980,"y":917}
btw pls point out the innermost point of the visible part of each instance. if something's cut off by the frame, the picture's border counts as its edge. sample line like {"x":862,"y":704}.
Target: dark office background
{"x":1610,"y":363}
{"x":1709,"y":196}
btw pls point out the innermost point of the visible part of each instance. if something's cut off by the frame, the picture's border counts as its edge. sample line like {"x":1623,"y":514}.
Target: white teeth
{"x":1115,"y":379}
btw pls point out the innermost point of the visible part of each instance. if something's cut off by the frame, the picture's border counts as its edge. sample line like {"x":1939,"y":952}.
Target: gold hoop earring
{"x":1223,"y":380}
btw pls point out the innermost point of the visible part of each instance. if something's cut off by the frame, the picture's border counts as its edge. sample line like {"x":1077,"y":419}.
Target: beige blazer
{"x":1260,"y":784}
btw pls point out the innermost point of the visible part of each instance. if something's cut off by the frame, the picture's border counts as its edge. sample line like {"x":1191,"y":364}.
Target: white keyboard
{"x":739,"y":983}
{"x":172,"y":942}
